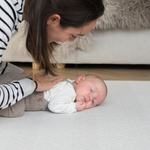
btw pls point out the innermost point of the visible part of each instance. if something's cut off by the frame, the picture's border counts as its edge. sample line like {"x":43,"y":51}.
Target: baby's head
{"x":90,"y":91}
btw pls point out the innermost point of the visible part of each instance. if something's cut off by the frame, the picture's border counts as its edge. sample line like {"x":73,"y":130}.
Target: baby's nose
{"x":90,"y":97}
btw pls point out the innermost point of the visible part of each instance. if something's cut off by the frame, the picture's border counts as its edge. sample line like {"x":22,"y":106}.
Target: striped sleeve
{"x":13,"y":92}
{"x":7,"y":22}
{"x":16,"y":90}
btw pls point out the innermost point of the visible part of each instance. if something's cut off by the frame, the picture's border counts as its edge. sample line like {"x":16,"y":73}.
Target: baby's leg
{"x":36,"y":102}
{"x":16,"y":110}
{"x":33,"y":102}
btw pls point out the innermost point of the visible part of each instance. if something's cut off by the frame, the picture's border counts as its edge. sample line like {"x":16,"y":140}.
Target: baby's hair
{"x":95,"y":76}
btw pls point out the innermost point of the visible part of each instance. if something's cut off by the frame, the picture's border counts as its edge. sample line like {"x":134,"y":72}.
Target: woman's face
{"x":56,"y":33}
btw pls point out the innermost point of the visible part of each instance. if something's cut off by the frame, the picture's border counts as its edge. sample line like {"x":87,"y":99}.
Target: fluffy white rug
{"x":121,"y":123}
{"x":125,"y":14}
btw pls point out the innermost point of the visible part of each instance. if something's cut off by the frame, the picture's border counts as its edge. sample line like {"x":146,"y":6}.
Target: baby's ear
{"x":79,"y":79}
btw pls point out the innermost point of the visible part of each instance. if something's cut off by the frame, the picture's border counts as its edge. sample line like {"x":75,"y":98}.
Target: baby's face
{"x":90,"y":91}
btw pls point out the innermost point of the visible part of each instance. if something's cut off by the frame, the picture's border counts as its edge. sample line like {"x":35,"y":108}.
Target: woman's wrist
{"x":35,"y":84}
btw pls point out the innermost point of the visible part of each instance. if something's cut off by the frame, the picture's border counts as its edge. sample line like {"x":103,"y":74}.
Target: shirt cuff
{"x":28,"y":86}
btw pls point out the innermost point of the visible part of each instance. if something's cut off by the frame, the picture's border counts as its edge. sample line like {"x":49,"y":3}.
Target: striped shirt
{"x":11,"y":12}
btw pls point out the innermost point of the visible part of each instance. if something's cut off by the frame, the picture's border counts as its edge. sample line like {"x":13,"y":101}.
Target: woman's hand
{"x":25,"y":73}
{"x":44,"y":82}
{"x":80,"y":106}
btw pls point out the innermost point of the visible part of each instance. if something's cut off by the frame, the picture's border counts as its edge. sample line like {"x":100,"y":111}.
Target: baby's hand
{"x":80,"y":106}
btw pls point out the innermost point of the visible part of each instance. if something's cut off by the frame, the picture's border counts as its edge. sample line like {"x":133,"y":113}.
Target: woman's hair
{"x":73,"y":13}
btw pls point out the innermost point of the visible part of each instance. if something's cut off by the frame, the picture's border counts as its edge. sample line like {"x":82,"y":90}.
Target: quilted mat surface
{"x":122,"y":122}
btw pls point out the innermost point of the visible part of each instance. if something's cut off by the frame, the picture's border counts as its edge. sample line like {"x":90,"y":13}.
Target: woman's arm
{"x":13,"y":92}
{"x":16,"y":90}
{"x":7,"y":24}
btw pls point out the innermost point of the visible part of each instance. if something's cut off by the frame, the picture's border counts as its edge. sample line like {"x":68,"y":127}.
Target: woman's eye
{"x":73,"y":36}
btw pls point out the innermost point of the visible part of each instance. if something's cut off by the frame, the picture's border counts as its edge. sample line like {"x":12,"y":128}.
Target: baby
{"x":66,"y":97}
{"x":71,"y":96}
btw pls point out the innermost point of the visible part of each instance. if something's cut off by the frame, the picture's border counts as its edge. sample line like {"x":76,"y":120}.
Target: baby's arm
{"x":63,"y":101}
{"x":80,"y":106}
{"x":62,"y":108}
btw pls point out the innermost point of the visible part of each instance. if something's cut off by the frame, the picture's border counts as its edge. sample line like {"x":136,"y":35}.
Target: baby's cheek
{"x":79,"y":99}
{"x":88,"y":105}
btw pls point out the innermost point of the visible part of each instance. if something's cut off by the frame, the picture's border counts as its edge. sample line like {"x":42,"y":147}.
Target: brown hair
{"x":73,"y":13}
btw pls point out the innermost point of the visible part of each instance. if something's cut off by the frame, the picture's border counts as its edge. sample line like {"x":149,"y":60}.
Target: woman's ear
{"x":79,"y":79}
{"x":55,"y":18}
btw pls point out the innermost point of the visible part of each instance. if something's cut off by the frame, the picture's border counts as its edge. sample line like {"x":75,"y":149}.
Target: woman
{"x":49,"y":21}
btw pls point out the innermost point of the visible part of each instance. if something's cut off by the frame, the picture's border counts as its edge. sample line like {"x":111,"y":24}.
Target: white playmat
{"x":122,"y":122}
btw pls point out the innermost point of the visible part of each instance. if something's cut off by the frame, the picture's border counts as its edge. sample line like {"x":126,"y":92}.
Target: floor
{"x":106,"y":72}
